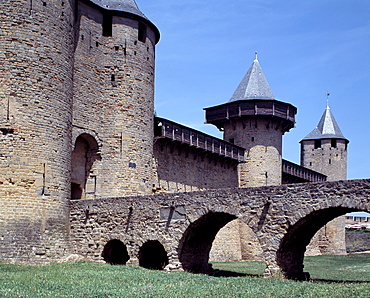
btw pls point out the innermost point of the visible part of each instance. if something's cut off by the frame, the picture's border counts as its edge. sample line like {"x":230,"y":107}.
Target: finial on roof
{"x":327,"y":100}
{"x":256,"y":59}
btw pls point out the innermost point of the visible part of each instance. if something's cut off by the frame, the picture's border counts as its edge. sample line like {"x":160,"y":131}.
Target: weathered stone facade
{"x":80,"y":158}
{"x":283,"y":218}
{"x":36,"y":54}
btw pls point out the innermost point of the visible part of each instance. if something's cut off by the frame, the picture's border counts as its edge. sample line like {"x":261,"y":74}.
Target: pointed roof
{"x":327,"y":128}
{"x":120,"y":5}
{"x":254,"y":85}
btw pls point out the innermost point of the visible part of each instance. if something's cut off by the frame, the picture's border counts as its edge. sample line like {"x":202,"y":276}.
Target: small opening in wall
{"x":310,"y":163}
{"x":333,"y":143}
{"x":329,"y":161}
{"x":82,"y":37}
{"x":152,"y":255}
{"x":97,"y":43}
{"x":252,"y":139}
{"x":232,"y":140}
{"x":107,"y":25}
{"x":116,"y":48}
{"x":317,"y":144}
{"x":7,"y":131}
{"x":113,"y":77}
{"x":142,"y":32}
{"x":135,"y":53}
{"x":62,"y":3}
{"x":43,"y":3}
{"x":115,"y":253}
{"x":76,"y":191}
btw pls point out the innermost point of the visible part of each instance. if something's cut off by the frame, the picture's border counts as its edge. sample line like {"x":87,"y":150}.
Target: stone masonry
{"x":283,"y":218}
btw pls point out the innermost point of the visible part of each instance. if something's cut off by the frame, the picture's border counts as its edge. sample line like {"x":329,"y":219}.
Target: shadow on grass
{"x":332,"y":281}
{"x":225,"y":273}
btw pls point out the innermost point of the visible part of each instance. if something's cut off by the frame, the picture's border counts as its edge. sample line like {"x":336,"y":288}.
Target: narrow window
{"x":252,"y":139}
{"x":329,"y":161}
{"x":333,"y":143}
{"x":107,"y":25}
{"x":317,"y":144}
{"x":310,"y":163}
{"x":112,"y":78}
{"x":142,"y":32}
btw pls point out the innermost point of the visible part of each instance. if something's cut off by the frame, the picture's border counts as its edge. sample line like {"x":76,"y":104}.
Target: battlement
{"x":166,"y":129}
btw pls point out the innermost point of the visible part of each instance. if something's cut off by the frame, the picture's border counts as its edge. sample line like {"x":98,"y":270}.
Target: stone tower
{"x":76,"y":115}
{"x":113,"y":108}
{"x":325,"y":150}
{"x":36,"y":53}
{"x":256,"y":121}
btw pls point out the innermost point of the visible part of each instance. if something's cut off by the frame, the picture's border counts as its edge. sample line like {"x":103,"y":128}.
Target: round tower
{"x":325,"y":149}
{"x":113,"y":108}
{"x":36,"y":53}
{"x":255,"y":120}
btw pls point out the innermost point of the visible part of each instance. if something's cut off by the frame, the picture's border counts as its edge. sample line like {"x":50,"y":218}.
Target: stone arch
{"x":152,"y":255}
{"x":196,"y":242}
{"x":84,"y":154}
{"x":115,"y":252}
{"x":293,"y":245}
{"x":234,"y":242}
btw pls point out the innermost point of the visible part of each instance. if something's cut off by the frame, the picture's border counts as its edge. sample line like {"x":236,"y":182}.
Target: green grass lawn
{"x":84,"y":279}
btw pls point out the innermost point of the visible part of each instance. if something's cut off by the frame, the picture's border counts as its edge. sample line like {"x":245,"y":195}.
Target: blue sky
{"x":307,"y":48}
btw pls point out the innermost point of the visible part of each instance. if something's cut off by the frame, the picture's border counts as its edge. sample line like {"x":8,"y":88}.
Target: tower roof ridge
{"x":254,"y":85}
{"x":327,"y":128}
{"x":129,"y":6}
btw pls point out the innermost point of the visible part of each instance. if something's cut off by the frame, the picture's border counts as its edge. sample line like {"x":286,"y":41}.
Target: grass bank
{"x":84,"y":279}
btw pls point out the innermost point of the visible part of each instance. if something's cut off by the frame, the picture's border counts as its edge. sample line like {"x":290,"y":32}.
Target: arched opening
{"x":152,"y":255}
{"x":83,"y":182}
{"x":235,"y":242}
{"x":292,"y":248}
{"x":197,"y":240}
{"x":115,"y":253}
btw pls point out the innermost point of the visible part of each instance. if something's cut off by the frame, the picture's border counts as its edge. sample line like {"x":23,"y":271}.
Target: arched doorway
{"x":152,"y":255}
{"x":115,"y":252}
{"x":83,"y":182}
{"x":290,"y":254}
{"x":197,"y":240}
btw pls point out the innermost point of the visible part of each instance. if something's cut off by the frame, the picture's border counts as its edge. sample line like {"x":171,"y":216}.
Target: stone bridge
{"x":178,"y":229}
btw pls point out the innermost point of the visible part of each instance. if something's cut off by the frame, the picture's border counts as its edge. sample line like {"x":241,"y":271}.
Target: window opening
{"x":142,"y":32}
{"x":107,"y":25}
{"x":317,"y":144}
{"x":334,"y":143}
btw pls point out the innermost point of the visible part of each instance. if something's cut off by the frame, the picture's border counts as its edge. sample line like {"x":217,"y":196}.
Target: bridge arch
{"x":290,"y":253}
{"x":196,"y":242}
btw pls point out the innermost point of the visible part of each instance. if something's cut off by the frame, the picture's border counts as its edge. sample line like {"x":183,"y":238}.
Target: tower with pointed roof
{"x":324,"y":149}
{"x":256,"y":121}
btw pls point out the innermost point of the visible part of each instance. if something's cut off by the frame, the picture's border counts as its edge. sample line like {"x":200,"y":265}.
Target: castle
{"x":77,"y":123}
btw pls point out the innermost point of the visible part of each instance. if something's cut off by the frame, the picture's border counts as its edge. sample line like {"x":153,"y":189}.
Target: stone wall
{"x":181,"y":169}
{"x":263,"y":144}
{"x":36,"y":53}
{"x":114,"y":101}
{"x":283,"y":218}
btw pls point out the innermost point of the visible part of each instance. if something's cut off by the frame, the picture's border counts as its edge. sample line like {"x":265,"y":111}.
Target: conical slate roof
{"x":254,"y":85}
{"x":327,"y":128}
{"x":120,"y":5}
